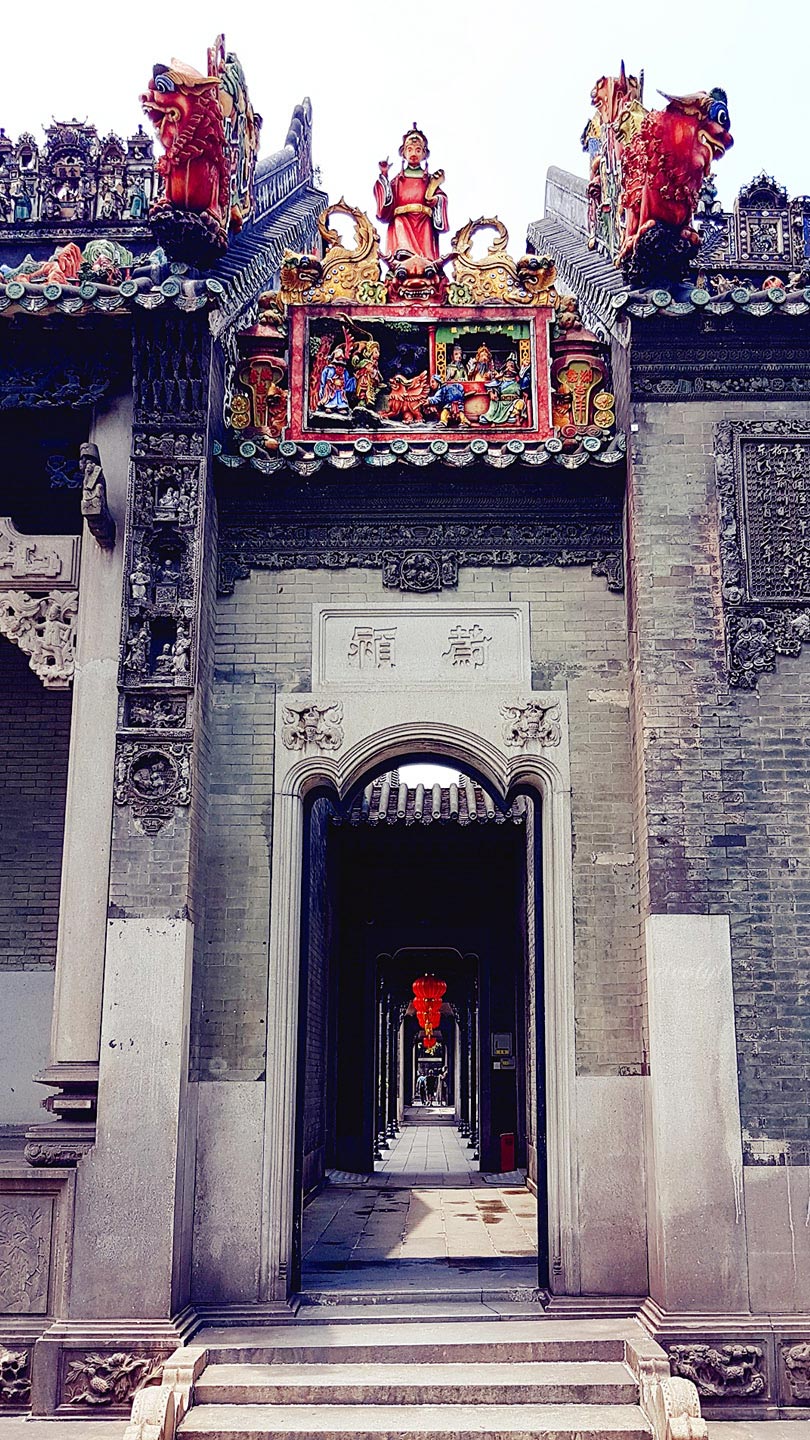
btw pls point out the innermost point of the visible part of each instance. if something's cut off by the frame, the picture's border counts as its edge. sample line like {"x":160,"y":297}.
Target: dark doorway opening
{"x":404,"y":881}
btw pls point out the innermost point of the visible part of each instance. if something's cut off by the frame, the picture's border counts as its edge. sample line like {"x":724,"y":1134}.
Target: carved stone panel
{"x":37,"y":562}
{"x":530,"y":723}
{"x":796,"y":1360}
{"x":153,"y":779}
{"x":763,"y":487}
{"x":101,"y":1380}
{"x":25,"y":1250}
{"x":15,"y":1379}
{"x":723,"y":1371}
{"x":419,"y":644}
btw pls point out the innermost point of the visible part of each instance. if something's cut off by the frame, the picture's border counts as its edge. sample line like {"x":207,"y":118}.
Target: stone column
{"x":82,"y":930}
{"x":134,"y":1189}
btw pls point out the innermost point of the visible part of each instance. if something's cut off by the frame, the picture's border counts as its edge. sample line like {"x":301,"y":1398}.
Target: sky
{"x":501,"y":87}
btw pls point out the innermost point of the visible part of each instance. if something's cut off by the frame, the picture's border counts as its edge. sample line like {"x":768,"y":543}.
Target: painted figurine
{"x":666,"y":163}
{"x":412,"y":204}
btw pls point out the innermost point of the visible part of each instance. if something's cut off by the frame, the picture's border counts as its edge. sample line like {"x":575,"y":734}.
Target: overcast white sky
{"x":501,"y":87}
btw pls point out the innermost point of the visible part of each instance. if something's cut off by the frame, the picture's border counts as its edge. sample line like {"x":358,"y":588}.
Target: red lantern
{"x":430,"y":1042}
{"x":427,"y":987}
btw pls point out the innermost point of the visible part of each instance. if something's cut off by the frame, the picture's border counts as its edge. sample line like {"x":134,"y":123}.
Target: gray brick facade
{"x":34,"y":741}
{"x":263,"y":642}
{"x":722,"y":772}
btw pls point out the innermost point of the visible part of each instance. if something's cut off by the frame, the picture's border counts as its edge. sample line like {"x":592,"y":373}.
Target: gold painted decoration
{"x":497,"y":278}
{"x":343,"y":273}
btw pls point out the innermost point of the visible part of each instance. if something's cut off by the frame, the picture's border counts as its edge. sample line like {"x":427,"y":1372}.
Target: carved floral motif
{"x":44,"y":628}
{"x":531,"y":723}
{"x":721,"y":1371}
{"x":107,"y":1380}
{"x":15,"y":1378}
{"x":25,"y":1238}
{"x":308,"y":726}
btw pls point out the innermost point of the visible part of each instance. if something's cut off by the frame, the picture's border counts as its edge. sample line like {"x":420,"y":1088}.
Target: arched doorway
{"x":303,"y":779}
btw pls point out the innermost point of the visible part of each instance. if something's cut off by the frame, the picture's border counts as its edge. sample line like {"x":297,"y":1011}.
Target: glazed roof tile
{"x":600,"y":288}
{"x":308,"y":459}
{"x":462,"y":803}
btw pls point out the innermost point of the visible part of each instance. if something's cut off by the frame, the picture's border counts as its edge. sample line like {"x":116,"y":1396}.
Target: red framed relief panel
{"x":413,"y":372}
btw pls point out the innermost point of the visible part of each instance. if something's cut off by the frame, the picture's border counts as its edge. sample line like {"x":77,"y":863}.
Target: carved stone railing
{"x":158,"y":1408}
{"x":39,"y":599}
{"x":670,"y":1405}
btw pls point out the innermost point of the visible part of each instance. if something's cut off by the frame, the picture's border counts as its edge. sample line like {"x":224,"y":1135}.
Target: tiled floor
{"x":426,"y":1201}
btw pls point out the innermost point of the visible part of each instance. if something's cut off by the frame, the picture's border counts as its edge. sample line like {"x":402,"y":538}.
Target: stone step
{"x":424,"y":1341}
{"x":487,"y":1383}
{"x":411,"y":1422}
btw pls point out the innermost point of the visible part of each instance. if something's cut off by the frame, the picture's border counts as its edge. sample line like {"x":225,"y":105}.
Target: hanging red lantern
{"x":430,"y":1042}
{"x":427,"y":987}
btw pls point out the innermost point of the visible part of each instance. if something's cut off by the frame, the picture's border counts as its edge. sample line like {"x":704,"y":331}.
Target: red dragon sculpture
{"x":664,"y":166}
{"x":210,"y":136}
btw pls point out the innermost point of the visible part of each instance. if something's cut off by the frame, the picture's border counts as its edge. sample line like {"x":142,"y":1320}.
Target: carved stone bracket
{"x":44,"y":628}
{"x":530,"y":722}
{"x":153,"y":779}
{"x":312,"y":727}
{"x":721,"y":1371}
{"x":763,"y":490}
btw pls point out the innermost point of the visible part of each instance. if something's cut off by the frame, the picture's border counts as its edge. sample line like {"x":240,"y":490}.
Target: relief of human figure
{"x":412,"y":203}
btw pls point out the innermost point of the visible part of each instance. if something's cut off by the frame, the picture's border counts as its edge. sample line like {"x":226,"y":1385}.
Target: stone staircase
{"x":556,"y":1379}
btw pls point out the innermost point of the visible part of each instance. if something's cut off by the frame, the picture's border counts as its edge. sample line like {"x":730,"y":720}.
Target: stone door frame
{"x":434,"y":723}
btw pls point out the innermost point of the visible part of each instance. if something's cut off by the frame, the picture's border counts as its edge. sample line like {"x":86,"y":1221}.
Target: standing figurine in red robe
{"x":412,"y":204}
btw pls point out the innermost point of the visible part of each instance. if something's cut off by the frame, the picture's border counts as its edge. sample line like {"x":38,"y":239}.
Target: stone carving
{"x":797,"y":1366}
{"x":37,"y":561}
{"x":107,"y":1381}
{"x":40,"y":1153}
{"x":25,"y":1238}
{"x":44,"y":628}
{"x":373,"y":646}
{"x":157,"y":712}
{"x":333,"y":545}
{"x":15,"y":1379}
{"x":100,"y":522}
{"x":309,"y":726}
{"x":670,"y":1405}
{"x":152,"y":780}
{"x":531,"y":723}
{"x":763,"y":485}
{"x":721,"y":1371}
{"x":420,"y":571}
{"x":467,"y":645}
{"x":158,"y":1409}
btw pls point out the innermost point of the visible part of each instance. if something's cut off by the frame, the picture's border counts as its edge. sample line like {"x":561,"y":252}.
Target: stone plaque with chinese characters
{"x":399,"y":646}
{"x":775,"y":495}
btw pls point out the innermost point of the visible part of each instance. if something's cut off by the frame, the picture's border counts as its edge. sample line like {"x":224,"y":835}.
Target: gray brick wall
{"x":263,"y":640}
{"x":34,"y":741}
{"x":713,"y":764}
